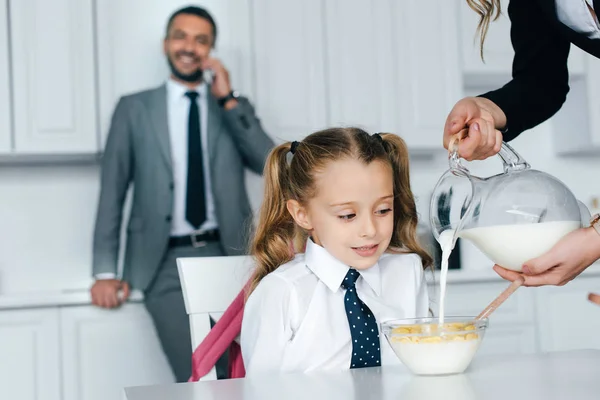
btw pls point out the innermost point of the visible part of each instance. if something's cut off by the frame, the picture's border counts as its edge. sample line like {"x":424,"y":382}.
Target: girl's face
{"x":352,"y":214}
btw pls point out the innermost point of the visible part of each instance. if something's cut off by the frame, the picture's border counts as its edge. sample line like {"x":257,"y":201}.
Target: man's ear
{"x":299,"y":214}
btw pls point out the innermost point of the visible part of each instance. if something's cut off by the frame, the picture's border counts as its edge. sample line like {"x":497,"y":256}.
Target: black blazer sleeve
{"x":540,"y":76}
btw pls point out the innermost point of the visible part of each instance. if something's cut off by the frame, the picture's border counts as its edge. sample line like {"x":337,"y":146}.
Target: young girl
{"x":346,"y":196}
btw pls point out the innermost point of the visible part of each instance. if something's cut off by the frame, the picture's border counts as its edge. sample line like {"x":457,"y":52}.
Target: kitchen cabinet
{"x":5,"y":109}
{"x":576,"y":127}
{"x":130,"y":37}
{"x":53,"y":76}
{"x":30,"y":351}
{"x":341,"y":63}
{"x":498,"y":52}
{"x":509,"y":339}
{"x":291,"y":93}
{"x":427,"y":69}
{"x":361,"y":65}
{"x":79,"y":352}
{"x":543,"y":319}
{"x":567,"y":320}
{"x":106,"y":350}
{"x":511,"y":327}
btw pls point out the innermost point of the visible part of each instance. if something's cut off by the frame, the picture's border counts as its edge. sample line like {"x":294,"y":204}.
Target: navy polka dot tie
{"x":363,"y":327}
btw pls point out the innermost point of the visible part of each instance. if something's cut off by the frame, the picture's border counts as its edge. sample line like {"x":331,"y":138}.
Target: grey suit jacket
{"x":138,"y":151}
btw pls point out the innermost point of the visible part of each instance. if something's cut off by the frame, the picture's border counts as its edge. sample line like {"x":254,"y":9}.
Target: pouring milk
{"x":511,"y":217}
{"x":509,"y":246}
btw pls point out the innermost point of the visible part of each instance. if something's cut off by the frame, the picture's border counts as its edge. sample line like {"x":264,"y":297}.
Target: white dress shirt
{"x":576,"y":15}
{"x":295,"y":320}
{"x":178,"y":108}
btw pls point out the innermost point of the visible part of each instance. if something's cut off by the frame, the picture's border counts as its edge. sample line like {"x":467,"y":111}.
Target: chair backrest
{"x":210,"y":284}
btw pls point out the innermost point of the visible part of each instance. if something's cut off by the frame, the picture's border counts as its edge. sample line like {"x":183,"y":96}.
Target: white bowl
{"x":427,"y":348}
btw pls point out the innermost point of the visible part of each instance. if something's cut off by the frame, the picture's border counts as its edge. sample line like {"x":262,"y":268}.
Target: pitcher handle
{"x":453,"y":158}
{"x":511,"y":159}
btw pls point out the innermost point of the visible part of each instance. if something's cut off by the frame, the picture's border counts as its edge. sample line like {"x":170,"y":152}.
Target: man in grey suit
{"x":184,"y":147}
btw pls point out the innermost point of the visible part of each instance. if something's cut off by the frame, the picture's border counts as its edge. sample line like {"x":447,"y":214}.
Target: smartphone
{"x":208,"y":76}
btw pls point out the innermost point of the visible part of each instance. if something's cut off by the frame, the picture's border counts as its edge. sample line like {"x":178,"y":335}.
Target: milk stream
{"x":509,"y":246}
{"x":446,"y":245}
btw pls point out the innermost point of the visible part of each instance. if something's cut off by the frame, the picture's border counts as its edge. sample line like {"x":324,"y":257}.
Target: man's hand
{"x":105,"y":293}
{"x":220,"y":84}
{"x":567,"y":259}
{"x":480,"y":117}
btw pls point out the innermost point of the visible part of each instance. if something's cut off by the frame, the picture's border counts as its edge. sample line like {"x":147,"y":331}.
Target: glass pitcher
{"x":511,"y":217}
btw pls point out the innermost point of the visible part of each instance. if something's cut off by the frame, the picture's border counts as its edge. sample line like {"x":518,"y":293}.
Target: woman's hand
{"x":567,"y":259}
{"x":481,"y":117}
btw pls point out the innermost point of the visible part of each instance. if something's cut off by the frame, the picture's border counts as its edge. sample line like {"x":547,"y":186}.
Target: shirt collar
{"x":332,"y":271}
{"x":176,"y":90}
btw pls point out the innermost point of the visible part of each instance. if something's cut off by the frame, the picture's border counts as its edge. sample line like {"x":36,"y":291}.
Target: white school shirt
{"x":576,"y":15}
{"x":295,"y":320}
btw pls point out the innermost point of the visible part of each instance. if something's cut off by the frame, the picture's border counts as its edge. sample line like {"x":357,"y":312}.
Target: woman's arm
{"x":540,"y":75}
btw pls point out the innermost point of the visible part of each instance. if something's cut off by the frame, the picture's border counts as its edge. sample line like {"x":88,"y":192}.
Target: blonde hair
{"x":489,"y":11}
{"x":277,"y":237}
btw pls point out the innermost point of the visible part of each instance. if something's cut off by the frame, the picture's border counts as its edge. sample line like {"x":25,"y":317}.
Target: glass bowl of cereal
{"x":427,"y":347}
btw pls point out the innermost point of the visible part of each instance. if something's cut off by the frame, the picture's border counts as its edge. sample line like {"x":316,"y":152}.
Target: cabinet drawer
{"x":509,"y":339}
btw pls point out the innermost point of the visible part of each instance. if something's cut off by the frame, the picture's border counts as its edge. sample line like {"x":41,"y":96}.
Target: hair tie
{"x":378,"y":137}
{"x":294,"y":146}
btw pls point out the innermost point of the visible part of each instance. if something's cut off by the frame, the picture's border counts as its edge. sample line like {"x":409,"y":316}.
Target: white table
{"x":560,"y":376}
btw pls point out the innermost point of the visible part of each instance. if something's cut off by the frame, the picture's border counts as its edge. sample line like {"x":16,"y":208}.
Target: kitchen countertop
{"x":73,"y":297}
{"x":488,"y":275}
{"x":81,"y":296}
{"x":552,"y":376}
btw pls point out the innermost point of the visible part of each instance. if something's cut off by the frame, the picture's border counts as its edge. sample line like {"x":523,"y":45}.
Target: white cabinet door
{"x":130,"y":56}
{"x":106,"y":350}
{"x":289,"y":46}
{"x":360,"y":64}
{"x":509,"y":339}
{"x":576,"y":126}
{"x":387,"y":73}
{"x":427,"y":69}
{"x":30,"y":366}
{"x":593,"y":98}
{"x":5,"y":111}
{"x":469,"y":299}
{"x":567,"y":320}
{"x":498,"y":52}
{"x":511,"y":327}
{"x":53,"y":76}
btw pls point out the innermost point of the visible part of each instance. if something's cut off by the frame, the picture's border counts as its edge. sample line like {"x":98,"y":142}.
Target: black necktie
{"x":363,"y":326}
{"x":195,"y":204}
